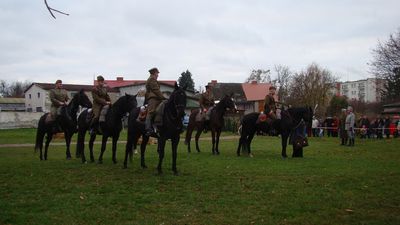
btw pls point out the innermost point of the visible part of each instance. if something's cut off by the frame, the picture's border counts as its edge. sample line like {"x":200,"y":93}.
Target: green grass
{"x":330,"y":185}
{"x":28,"y":136}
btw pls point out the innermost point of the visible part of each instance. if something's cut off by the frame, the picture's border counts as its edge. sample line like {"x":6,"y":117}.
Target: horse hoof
{"x":251,"y":155}
{"x":125,"y":167}
{"x":115,"y":161}
{"x":176,"y":173}
{"x":68,"y":157}
{"x":217,"y":153}
{"x":100,"y":162}
{"x":84,"y":162}
{"x":144,"y":167}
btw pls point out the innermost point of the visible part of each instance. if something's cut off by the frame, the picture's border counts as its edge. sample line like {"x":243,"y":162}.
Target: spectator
{"x":335,"y":126}
{"x":342,"y":123}
{"x":364,"y":123}
{"x":387,"y":126}
{"x":314,"y":127}
{"x":379,"y":128}
{"x":350,"y":121}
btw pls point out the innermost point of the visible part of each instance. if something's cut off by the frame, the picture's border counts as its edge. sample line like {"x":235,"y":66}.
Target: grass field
{"x":330,"y":185}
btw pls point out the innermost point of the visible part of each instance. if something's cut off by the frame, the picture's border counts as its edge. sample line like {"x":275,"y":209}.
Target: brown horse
{"x":216,"y":123}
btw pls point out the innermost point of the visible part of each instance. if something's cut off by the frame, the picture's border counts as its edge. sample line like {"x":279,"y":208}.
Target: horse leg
{"x":80,"y":146}
{"x":114,"y":147}
{"x":91,"y":142}
{"x":68,"y":136}
{"x":145,"y":140}
{"x":248,"y":143}
{"x":239,"y":146}
{"x":198,"y":133}
{"x":188,"y":137}
{"x":213,"y":141}
{"x":174,"y":144}
{"x":161,"y":148}
{"x":128,"y":150}
{"x":217,"y":141}
{"x":49,"y":136}
{"x":103,"y":148}
{"x":284,"y":144}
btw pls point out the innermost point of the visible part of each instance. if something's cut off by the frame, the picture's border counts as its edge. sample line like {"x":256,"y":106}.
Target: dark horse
{"x":216,"y":123}
{"x":135,"y":130}
{"x":67,"y":121}
{"x":290,"y":119}
{"x":111,"y":127}
{"x":172,"y":126}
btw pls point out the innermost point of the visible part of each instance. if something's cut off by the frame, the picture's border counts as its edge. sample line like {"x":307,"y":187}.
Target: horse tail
{"x":40,"y":132}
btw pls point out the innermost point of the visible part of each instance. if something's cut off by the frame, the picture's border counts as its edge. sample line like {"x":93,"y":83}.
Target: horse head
{"x":228,"y":102}
{"x":129,"y":102}
{"x":178,"y":100}
{"x":83,"y":99}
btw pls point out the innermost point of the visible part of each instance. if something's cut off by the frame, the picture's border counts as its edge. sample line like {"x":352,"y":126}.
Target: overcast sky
{"x":218,"y":39}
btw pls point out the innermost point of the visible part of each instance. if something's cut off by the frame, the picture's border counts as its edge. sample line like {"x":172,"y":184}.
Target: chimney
{"x":253,"y":82}
{"x":120,"y":78}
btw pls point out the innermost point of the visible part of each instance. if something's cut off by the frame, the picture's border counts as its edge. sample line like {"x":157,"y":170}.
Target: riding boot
{"x":149,"y":127}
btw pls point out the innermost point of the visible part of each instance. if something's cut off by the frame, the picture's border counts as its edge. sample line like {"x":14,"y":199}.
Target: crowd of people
{"x":364,"y":127}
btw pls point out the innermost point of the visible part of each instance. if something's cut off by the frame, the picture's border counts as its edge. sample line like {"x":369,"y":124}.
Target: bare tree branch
{"x":55,"y":10}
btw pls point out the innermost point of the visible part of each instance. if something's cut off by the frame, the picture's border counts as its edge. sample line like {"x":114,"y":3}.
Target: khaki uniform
{"x":153,"y":94}
{"x":270,"y":106}
{"x":206,"y":100}
{"x":57,"y":97}
{"x":100,"y":99}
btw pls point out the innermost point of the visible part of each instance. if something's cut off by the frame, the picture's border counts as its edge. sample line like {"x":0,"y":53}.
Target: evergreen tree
{"x":186,"y":80}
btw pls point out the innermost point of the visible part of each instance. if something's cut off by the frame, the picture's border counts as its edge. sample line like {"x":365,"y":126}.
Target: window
{"x":29,"y":109}
{"x":30,"y":97}
{"x":353,"y":85}
{"x":38,"y":94}
{"x":39,"y":109}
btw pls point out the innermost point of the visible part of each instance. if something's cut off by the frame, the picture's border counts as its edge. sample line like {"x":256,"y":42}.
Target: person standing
{"x":59,"y":98}
{"x":342,"y":127}
{"x":153,"y":97}
{"x":314,"y":126}
{"x":206,"y":103}
{"x":101,"y":99}
{"x":349,"y":126}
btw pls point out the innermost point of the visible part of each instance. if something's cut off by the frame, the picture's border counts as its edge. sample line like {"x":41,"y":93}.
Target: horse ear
{"x":126,"y":94}
{"x":176,"y":86}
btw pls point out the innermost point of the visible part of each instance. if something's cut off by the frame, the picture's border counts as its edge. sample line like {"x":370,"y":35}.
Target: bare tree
{"x":55,"y":10}
{"x":261,"y":76}
{"x":386,"y":66}
{"x":14,"y":89}
{"x":311,"y":87}
{"x":282,"y":81}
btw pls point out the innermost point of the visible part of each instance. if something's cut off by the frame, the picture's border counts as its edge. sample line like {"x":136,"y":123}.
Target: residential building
{"x":249,"y":97}
{"x":12,"y":104}
{"x":367,"y":90}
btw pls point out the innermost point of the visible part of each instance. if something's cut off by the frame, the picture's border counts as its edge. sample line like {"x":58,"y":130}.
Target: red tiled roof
{"x":123,"y":83}
{"x":256,"y":91}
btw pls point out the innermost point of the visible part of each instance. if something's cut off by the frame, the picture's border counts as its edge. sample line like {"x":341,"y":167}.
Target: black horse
{"x":135,"y":130}
{"x":216,"y":123}
{"x":67,"y":121}
{"x":172,"y":126}
{"x":290,"y":119}
{"x":110,"y":128}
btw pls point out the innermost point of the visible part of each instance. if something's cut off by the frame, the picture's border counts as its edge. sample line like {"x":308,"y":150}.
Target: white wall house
{"x":364,"y":90}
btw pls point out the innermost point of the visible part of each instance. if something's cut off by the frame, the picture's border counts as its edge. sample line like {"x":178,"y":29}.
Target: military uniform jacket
{"x":269,"y":106}
{"x":58,"y":96}
{"x":153,"y":89}
{"x":206,"y":100}
{"x":350,"y":120}
{"x":100,"y":98}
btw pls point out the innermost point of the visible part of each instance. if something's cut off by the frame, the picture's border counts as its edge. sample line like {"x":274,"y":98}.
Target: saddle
{"x":159,"y":113}
{"x":103,"y":113}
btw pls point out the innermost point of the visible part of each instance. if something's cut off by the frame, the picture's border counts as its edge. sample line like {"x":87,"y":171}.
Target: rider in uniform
{"x":153,"y":97}
{"x":100,"y":99}
{"x":206,"y":103}
{"x":58,"y":97}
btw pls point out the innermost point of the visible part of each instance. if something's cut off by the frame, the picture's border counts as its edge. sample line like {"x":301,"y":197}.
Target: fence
{"x":12,"y":120}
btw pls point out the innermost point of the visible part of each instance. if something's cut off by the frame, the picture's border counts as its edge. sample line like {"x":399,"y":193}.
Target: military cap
{"x":154,"y":70}
{"x":100,"y":78}
{"x":272,"y":88}
{"x":58,"y":81}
